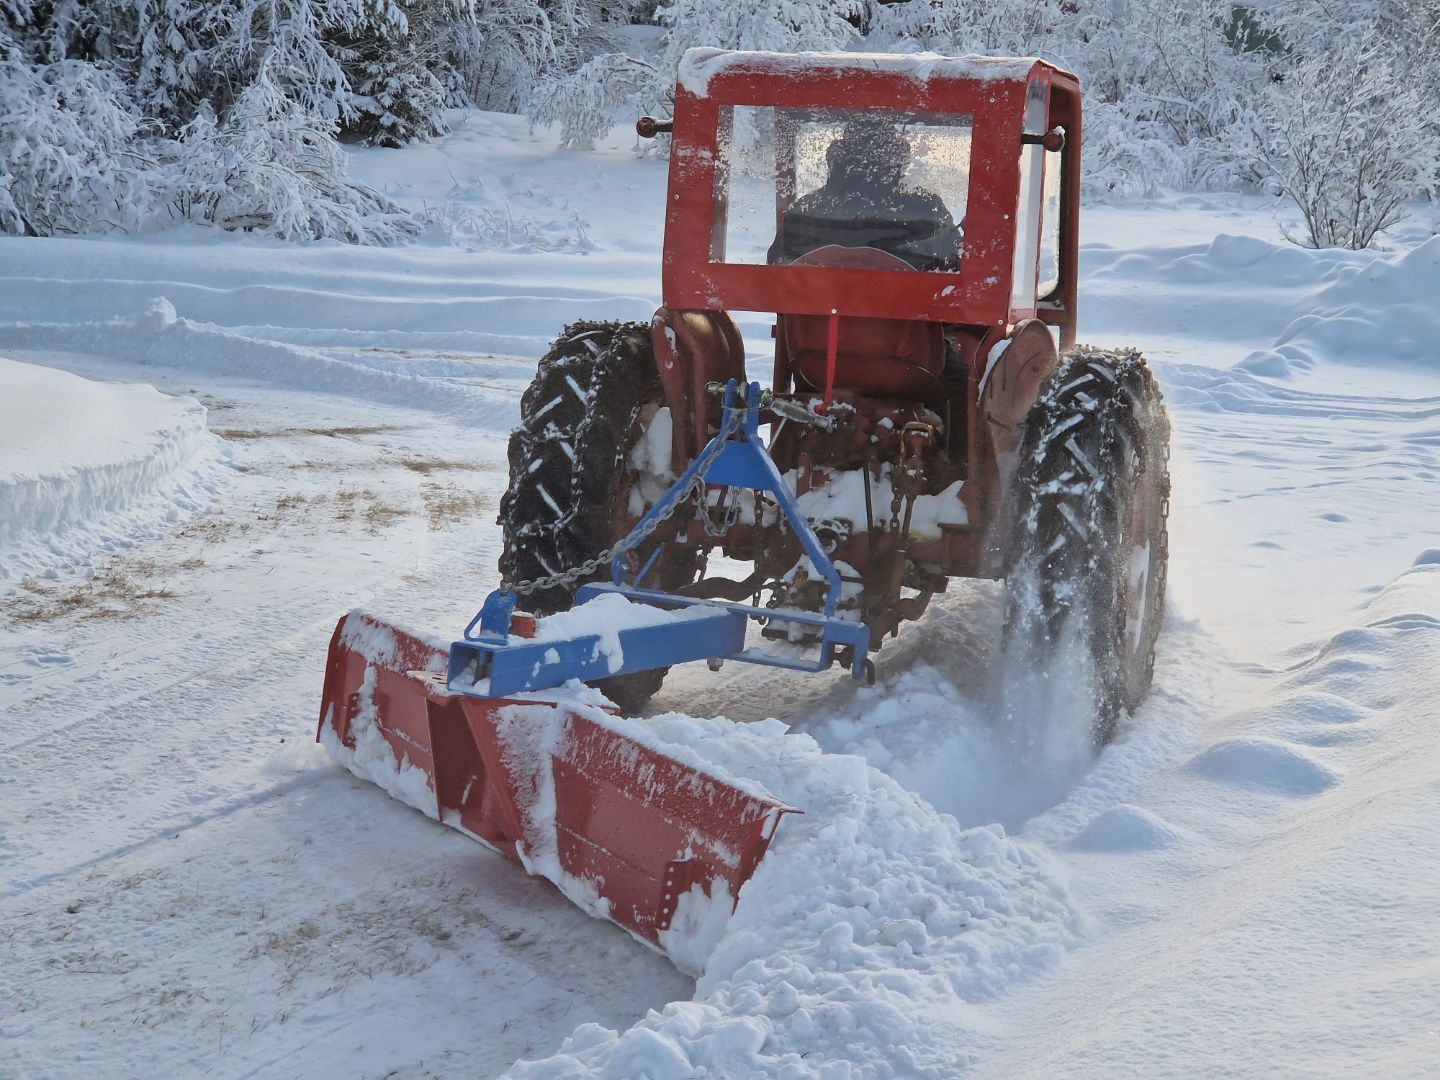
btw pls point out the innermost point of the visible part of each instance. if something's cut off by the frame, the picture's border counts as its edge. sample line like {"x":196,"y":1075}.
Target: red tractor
{"x":912,"y":224}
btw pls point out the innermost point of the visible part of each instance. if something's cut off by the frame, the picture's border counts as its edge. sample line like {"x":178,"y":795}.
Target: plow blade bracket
{"x":625,"y":830}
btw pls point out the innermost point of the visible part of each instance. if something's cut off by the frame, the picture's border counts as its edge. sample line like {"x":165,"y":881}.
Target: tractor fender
{"x":1012,"y":382}
{"x":693,"y":349}
{"x":1017,"y":369}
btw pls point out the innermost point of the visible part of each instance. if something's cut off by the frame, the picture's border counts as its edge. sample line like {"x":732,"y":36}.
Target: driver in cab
{"x":863,"y":203}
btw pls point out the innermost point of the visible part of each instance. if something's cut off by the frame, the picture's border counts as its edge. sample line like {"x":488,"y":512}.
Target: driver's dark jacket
{"x":912,"y":225}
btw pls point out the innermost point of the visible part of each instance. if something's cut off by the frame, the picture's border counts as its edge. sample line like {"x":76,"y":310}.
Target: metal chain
{"x":631,"y":540}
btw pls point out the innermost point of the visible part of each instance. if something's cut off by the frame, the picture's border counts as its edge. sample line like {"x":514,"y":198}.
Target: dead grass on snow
{"x":123,"y":590}
{"x":446,"y":504}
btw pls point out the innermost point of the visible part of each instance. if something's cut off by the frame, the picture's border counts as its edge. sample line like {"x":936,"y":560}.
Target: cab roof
{"x":725,"y":74}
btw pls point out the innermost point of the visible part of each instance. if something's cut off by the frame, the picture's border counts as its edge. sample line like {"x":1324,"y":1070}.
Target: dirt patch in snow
{"x":124,"y":589}
{"x":446,"y":504}
{"x":344,"y":431}
{"x":426,"y":466}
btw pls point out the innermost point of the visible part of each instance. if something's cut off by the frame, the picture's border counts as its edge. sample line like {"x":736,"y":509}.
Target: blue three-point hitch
{"x":490,"y":662}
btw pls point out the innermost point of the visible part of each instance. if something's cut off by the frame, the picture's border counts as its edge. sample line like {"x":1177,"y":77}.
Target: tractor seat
{"x":884,"y":358}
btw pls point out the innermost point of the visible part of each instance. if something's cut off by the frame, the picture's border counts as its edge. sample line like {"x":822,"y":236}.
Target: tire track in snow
{"x":169,"y":831}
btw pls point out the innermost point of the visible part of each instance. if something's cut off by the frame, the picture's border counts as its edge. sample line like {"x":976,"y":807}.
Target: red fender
{"x":692,"y":349}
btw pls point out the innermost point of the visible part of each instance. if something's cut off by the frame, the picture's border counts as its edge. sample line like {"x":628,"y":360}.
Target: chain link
{"x":632,"y":540}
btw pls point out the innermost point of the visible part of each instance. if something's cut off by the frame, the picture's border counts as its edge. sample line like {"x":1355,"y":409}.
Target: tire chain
{"x":1119,"y":366}
{"x":630,"y":541}
{"x":581,"y":429}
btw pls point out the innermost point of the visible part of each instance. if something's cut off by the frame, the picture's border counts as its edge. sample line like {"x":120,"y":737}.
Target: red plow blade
{"x":626,"y":831}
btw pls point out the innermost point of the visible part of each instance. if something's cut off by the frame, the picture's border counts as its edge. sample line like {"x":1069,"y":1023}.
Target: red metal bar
{"x":832,"y":347}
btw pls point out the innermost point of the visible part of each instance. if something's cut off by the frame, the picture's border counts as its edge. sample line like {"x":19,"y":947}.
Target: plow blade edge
{"x":625,"y":830}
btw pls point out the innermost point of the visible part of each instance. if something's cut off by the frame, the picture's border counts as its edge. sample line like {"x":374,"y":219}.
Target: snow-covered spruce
{"x":570,"y":473}
{"x":396,"y":66}
{"x":224,"y":114}
{"x":1088,"y":543}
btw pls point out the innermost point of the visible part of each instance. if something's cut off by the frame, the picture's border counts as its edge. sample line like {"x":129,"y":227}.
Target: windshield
{"x":834,"y":186}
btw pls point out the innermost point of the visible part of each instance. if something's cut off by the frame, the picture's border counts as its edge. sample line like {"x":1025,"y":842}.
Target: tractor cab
{"x":965,"y":170}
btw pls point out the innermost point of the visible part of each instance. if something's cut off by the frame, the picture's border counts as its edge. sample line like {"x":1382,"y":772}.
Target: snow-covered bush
{"x":1398,"y":40}
{"x":1125,"y":156}
{"x":1348,"y":139}
{"x":518,"y":44}
{"x":274,"y":167}
{"x":246,"y":97}
{"x":1180,"y":79}
{"x":69,"y":160}
{"x":586,"y":103}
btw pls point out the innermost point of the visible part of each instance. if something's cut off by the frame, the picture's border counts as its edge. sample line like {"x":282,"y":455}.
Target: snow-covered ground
{"x":1241,"y":884}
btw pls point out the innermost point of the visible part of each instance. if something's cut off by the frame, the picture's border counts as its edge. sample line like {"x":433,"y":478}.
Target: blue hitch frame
{"x":489,"y":663}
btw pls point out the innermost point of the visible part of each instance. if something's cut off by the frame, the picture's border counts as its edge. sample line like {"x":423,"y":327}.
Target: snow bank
{"x":159,"y":337}
{"x":1271,"y":907}
{"x":87,"y":467}
{"x":866,"y":933}
{"x":1380,"y":312}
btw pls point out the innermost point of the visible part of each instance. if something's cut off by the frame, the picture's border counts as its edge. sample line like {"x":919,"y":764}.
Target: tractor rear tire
{"x":570,"y":470}
{"x":1089,"y":547}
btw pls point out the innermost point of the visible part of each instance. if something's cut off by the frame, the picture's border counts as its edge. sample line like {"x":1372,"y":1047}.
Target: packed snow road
{"x":189,"y":887}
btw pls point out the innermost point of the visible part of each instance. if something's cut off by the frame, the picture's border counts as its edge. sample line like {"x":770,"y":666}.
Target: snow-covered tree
{"x":585,"y":103}
{"x":287,"y":39}
{"x":68,"y":158}
{"x":54,"y":30}
{"x":395,"y":63}
{"x":957,"y":27}
{"x":272,"y":166}
{"x":1348,"y":137}
{"x":171,"y":58}
{"x":1164,"y":81}
{"x":246,"y":96}
{"x":226,"y":111}
{"x":517,"y":44}
{"x":772,"y":25}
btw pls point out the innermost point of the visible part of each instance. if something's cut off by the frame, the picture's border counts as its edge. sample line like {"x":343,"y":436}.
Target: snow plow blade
{"x":626,"y":831}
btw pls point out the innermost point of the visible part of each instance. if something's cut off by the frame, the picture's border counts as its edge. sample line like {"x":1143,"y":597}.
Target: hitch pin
{"x":786,"y":410}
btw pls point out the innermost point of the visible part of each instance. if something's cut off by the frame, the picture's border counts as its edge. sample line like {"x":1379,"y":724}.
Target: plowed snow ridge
{"x":87,"y":468}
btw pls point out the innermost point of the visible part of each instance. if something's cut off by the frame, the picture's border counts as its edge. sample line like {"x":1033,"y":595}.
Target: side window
{"x":1027,"y":227}
{"x":1029,"y":210}
{"x":1050,"y":225}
